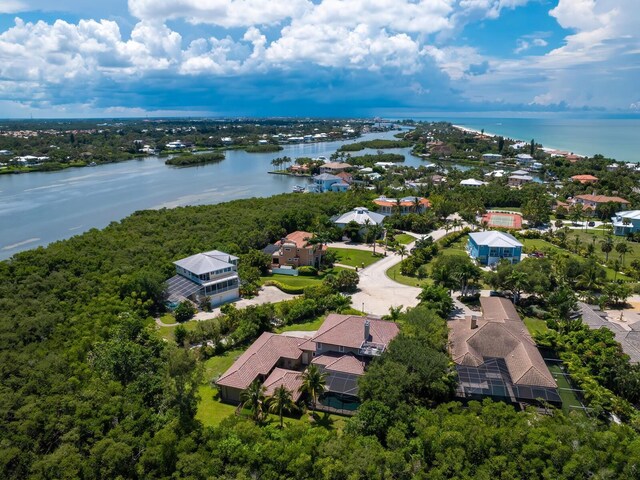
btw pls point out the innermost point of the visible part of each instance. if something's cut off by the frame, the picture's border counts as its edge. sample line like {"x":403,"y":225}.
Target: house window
{"x":341,"y":348}
{"x":319,"y":346}
{"x":493,"y":252}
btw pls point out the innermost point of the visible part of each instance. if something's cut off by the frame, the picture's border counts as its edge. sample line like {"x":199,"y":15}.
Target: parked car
{"x":592,"y":224}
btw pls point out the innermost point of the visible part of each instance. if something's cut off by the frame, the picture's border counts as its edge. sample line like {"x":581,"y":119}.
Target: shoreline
{"x":545,"y":148}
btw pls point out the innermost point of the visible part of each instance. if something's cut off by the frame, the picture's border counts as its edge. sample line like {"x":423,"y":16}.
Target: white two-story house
{"x":212,"y":274}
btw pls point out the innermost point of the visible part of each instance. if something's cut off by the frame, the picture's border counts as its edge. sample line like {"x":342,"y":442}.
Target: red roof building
{"x":584,"y":179}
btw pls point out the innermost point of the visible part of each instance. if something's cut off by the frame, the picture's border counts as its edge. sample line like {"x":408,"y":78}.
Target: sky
{"x":338,"y":58}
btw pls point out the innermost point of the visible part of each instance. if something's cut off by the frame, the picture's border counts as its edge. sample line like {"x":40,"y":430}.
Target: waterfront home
{"x":361,"y":216}
{"x":584,"y":179}
{"x":342,"y":348}
{"x":519,"y":180}
{"x":335,"y":167}
{"x":295,"y":250}
{"x":472,"y":182}
{"x":491,"y":157}
{"x":326,"y":182}
{"x":524,"y":159}
{"x":626,"y":222}
{"x":226,"y":140}
{"x":496,"y":358}
{"x":175,"y":145}
{"x":488,"y":248}
{"x":212,"y":274}
{"x":592,"y":202}
{"x":403,"y":206}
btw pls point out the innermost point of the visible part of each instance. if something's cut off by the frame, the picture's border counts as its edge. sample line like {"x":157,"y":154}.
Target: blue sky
{"x":322,"y":57}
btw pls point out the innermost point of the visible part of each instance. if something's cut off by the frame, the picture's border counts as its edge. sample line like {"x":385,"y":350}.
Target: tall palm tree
{"x":622,"y":248}
{"x":402,"y":251}
{"x":281,"y":401}
{"x":606,"y":246}
{"x":314,"y":383}
{"x":253,"y":398}
{"x":376,"y":231}
{"x":577,"y":242}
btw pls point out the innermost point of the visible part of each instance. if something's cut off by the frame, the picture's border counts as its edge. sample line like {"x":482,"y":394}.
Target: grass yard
{"x":394,"y":274}
{"x":167,"y":332}
{"x":544,"y":246}
{"x":354,"y":258}
{"x":404,"y":238}
{"x":300,"y":281}
{"x":167,"y":319}
{"x":309,"y":326}
{"x":587,"y":237}
{"x":535,"y":325}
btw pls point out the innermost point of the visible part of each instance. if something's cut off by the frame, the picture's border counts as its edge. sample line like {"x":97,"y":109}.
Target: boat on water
{"x":299,"y":189}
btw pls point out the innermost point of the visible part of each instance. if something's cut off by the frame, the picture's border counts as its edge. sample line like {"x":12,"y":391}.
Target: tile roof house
{"x":211,"y":274}
{"x":335,"y":167}
{"x":492,"y":246}
{"x":591,"y":202}
{"x":496,"y":357}
{"x":584,"y":179}
{"x":342,"y":347}
{"x":258,"y":362}
{"x":296,"y":251}
{"x":388,"y":206}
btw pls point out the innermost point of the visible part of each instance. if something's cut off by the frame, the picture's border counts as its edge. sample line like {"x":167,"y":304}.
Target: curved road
{"x":378,"y":292}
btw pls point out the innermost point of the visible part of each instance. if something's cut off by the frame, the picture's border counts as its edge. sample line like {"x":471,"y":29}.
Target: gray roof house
{"x":212,"y":274}
{"x":360,"y":215}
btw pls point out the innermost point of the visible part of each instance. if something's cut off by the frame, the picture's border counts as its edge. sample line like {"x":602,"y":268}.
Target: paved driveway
{"x":378,"y":292}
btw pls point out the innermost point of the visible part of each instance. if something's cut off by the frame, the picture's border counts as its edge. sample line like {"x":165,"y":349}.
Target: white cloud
{"x":226,"y":13}
{"x":12,"y":6}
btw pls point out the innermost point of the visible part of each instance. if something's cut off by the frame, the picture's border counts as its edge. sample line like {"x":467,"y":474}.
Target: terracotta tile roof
{"x":298,"y":237}
{"x":291,"y":380}
{"x":404,"y":202}
{"x":336,"y":165}
{"x":584,"y":178}
{"x":340,"y":363}
{"x":348,"y":331}
{"x":260,"y":358}
{"x":600,"y":199}
{"x":347,"y":177}
{"x":499,"y":334}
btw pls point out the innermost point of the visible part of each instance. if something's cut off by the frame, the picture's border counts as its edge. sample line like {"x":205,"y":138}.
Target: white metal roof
{"x":360,"y":215}
{"x":495,"y":239}
{"x":206,"y":262}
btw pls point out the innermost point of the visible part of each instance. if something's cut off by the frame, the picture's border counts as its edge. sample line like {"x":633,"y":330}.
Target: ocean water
{"x":614,"y":138}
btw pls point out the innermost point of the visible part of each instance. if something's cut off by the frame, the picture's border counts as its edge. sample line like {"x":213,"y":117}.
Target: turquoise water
{"x":614,"y":138}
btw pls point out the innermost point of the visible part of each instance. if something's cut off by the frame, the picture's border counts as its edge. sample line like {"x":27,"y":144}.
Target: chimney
{"x":367,"y":330}
{"x":474,"y":322}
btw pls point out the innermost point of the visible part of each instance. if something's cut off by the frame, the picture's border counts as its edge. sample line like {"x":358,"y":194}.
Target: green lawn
{"x":311,"y":325}
{"x":404,"y":238}
{"x":354,"y":258}
{"x":167,"y":332}
{"x":544,"y":246}
{"x":300,"y":281}
{"x":535,"y":325}
{"x":168,"y":319}
{"x":394,"y":274}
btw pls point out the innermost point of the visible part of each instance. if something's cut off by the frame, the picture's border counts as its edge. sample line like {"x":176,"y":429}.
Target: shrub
{"x":308,"y":271}
{"x":285,"y":288}
{"x":184,"y":312}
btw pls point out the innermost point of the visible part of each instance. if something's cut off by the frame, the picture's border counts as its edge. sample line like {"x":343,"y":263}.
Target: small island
{"x":265,"y":148}
{"x":189,"y":159}
{"x":375,"y":144}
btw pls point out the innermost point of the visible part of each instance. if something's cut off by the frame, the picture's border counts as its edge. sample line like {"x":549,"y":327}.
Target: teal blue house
{"x":488,"y":248}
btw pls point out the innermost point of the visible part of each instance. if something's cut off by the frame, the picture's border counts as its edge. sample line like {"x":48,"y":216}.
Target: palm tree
{"x":606,"y":246}
{"x":376,"y":231}
{"x":402,"y":251}
{"x":253,"y":398}
{"x":577,"y":243}
{"x":281,"y":401}
{"x":367,"y":225}
{"x":622,"y":248}
{"x":313,"y":382}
